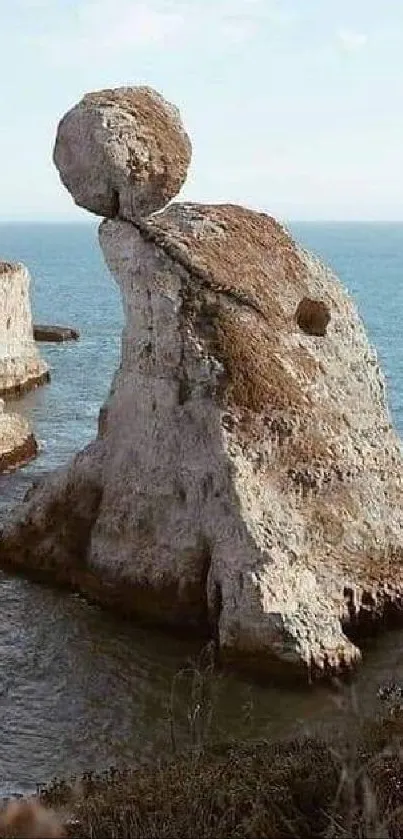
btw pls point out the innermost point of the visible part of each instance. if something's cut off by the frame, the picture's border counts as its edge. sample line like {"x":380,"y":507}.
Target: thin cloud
{"x":238,"y":31}
{"x":112,"y":25}
{"x":351,"y":41}
{"x":241,"y":19}
{"x":99,"y":29}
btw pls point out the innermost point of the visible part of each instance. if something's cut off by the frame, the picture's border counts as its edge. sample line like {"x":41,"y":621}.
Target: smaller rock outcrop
{"x":21,"y":366}
{"x":55,"y":334}
{"x":122,"y":152}
{"x":17,"y":443}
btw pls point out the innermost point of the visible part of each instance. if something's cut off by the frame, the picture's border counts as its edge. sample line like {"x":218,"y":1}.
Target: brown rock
{"x":17,"y":443}
{"x":122,"y":152}
{"x":55,"y":334}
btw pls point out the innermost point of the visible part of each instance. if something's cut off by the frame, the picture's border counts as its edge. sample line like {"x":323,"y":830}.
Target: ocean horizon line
{"x":95,"y":220}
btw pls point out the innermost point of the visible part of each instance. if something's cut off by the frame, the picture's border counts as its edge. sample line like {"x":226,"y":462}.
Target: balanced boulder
{"x":122,"y":152}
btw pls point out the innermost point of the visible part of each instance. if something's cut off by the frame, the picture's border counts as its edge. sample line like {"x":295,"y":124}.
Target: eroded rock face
{"x":21,"y":366}
{"x":122,"y":152}
{"x":17,"y":443}
{"x":246,"y":476}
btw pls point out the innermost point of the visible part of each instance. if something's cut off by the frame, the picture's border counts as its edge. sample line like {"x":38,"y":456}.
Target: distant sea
{"x":71,"y":285}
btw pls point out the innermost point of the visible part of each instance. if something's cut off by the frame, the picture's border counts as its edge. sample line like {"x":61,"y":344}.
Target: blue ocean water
{"x":70,"y":286}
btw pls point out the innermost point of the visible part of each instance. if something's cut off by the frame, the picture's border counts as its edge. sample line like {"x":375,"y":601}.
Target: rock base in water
{"x":21,"y":367}
{"x":55,"y":334}
{"x":17,"y":443}
{"x":18,"y":389}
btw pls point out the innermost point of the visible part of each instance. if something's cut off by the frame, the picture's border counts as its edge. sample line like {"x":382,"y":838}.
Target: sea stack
{"x":21,"y":366}
{"x":246,"y":478}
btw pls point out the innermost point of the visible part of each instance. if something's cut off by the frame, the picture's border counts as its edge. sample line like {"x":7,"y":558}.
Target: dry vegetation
{"x":300,"y":788}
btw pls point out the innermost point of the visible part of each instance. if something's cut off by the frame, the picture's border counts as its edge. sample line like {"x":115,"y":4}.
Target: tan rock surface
{"x":21,"y":366}
{"x":246,"y":475}
{"x":122,"y":152}
{"x":17,"y":443}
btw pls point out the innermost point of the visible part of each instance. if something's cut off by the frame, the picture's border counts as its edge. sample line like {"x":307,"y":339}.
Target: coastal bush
{"x":345,"y":784}
{"x":304,"y":787}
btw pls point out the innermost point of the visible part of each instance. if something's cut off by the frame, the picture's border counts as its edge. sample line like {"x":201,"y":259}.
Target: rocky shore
{"x":246,"y":480}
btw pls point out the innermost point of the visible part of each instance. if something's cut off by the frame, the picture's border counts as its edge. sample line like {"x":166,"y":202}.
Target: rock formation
{"x":122,"y":152}
{"x":246,"y":477}
{"x":21,"y":366}
{"x":17,"y":443}
{"x":55,"y":334}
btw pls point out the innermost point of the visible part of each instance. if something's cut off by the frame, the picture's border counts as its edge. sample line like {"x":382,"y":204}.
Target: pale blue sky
{"x":293,"y":106}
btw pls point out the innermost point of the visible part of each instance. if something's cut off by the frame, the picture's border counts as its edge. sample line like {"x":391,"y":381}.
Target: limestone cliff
{"x":246,"y":478}
{"x":21,"y":366}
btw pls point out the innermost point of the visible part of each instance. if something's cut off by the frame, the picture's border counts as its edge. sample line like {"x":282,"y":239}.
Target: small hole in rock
{"x":313,"y":316}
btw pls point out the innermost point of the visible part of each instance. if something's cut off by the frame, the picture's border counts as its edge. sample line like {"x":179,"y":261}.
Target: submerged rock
{"x":55,"y":334}
{"x":21,"y":366}
{"x":122,"y":152}
{"x":246,"y":478}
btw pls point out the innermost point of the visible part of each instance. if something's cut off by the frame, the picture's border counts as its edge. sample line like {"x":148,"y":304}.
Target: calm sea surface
{"x":78,"y":688}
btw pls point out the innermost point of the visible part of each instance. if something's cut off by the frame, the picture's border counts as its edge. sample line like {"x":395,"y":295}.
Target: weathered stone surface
{"x":55,"y":334}
{"x":21,"y":366}
{"x":122,"y":152}
{"x":246,"y":475}
{"x":17,"y":443}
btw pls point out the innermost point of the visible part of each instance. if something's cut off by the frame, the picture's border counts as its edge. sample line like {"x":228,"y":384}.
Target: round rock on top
{"x":122,"y":152}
